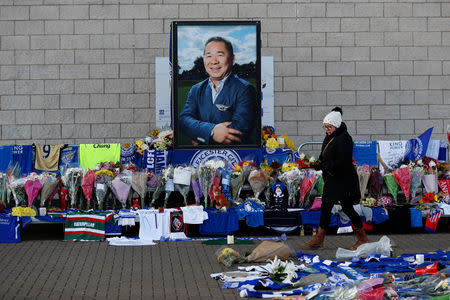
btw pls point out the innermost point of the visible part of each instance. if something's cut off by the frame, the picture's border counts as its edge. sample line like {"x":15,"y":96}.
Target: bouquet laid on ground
{"x":227,"y":257}
{"x":32,"y":187}
{"x":49,"y":184}
{"x":139,"y":185}
{"x":121,"y":186}
{"x":363,"y":177}
{"x":282,"y":271}
{"x":72,"y":179}
{"x":403,"y":177}
{"x":291,"y":180}
{"x":258,"y":180}
{"x":182,"y":180}
{"x":103,"y":179}
{"x":87,"y":185}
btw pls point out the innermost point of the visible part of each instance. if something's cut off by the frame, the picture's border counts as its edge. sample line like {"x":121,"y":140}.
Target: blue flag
{"x":416,"y":148}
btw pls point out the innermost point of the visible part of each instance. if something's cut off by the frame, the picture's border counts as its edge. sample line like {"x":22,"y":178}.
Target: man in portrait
{"x":222,"y":108}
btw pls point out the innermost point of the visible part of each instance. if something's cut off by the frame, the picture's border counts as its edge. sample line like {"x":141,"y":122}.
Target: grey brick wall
{"x":78,"y":71}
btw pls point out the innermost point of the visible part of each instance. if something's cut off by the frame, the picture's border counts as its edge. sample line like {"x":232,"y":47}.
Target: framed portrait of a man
{"x":216,"y":84}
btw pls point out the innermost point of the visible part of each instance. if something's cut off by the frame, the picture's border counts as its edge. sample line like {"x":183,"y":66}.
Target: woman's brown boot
{"x":361,"y":238}
{"x":317,"y":242}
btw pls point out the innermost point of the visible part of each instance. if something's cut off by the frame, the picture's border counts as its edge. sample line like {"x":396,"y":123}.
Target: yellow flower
{"x":139,"y":143}
{"x":154,"y":133}
{"x":237,"y":167}
{"x":289,"y":143}
{"x":105,"y":172}
{"x":272,"y":144}
{"x":245,"y":164}
{"x":286,"y":167}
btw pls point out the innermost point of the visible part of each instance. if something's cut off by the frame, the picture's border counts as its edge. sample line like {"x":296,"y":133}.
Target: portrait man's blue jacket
{"x":236,"y":103}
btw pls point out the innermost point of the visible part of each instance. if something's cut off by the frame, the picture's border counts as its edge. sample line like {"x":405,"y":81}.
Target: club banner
{"x":196,"y":158}
{"x":279,"y":155}
{"x":365,"y":153}
{"x":156,"y":160}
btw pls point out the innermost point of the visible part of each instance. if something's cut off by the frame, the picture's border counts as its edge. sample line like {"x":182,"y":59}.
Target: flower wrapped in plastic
{"x":416,"y":180}
{"x":391,"y":185}
{"x":17,"y":187}
{"x":246,"y":167}
{"x":160,"y":187}
{"x":228,"y":256}
{"x":72,"y":179}
{"x":49,"y":184}
{"x":215,"y":183}
{"x":87,"y":185}
{"x":182,"y":180}
{"x":206,"y":173}
{"x":319,"y":183}
{"x":103,"y":179}
{"x":363,"y":177}
{"x":169,"y":186}
{"x":195,"y":184}
{"x":305,"y":161}
{"x":3,"y":189}
{"x":153,"y":180}
{"x":375,"y":182}
{"x":291,"y":180}
{"x":403,"y":177}
{"x":139,"y":185}
{"x":226,"y":183}
{"x":282,"y":271}
{"x":32,"y":187}
{"x":121,"y":186}
{"x":258,"y":180}
{"x":306,"y":185}
{"x":236,"y":182}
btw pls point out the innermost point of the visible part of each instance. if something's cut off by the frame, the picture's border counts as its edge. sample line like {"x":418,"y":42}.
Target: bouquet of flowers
{"x":227,"y":257}
{"x":215,"y":182}
{"x":268,"y":190}
{"x":139,"y":184}
{"x":305,"y":161}
{"x":391,"y":185}
{"x":363,"y":176}
{"x":49,"y":184}
{"x":258,"y":180}
{"x":72,"y":179}
{"x":226,"y":183}
{"x":319,"y":183}
{"x":3,"y":189}
{"x":160,"y":186}
{"x":17,"y":188}
{"x":195,"y":184}
{"x":246,"y":167}
{"x":152,"y":180}
{"x":375,"y":182}
{"x":168,"y":187}
{"x":182,"y":180}
{"x":206,"y":174}
{"x":121,"y":186}
{"x":282,"y":271}
{"x":430,"y":180}
{"x":307,"y":183}
{"x":291,"y":180}
{"x":403,"y":177}
{"x":416,"y":180}
{"x":32,"y":187}
{"x":103,"y":179}
{"x":87,"y":185}
{"x":236,"y":181}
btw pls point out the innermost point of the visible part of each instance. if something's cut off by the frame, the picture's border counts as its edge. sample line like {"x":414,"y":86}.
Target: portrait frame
{"x":188,"y":40}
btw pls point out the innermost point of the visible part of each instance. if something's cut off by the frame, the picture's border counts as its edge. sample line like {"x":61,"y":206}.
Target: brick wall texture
{"x":83,"y":71}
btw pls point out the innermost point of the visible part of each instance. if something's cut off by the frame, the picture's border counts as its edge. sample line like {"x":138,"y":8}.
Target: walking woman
{"x":340,"y":178}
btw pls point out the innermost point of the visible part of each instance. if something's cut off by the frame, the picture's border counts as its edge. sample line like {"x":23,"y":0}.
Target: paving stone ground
{"x":43,"y":266}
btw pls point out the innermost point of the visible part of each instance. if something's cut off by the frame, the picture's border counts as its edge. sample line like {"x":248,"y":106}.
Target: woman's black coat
{"x":339,"y":173}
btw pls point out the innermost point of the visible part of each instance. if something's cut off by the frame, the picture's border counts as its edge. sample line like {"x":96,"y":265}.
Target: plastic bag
{"x":383,"y":247}
{"x":392,"y":186}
